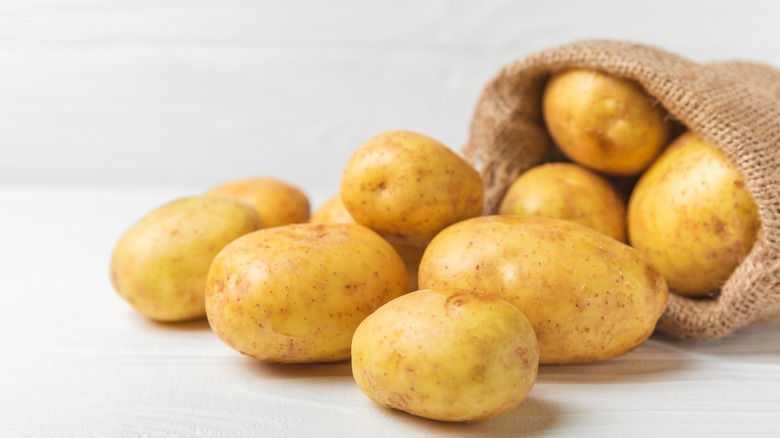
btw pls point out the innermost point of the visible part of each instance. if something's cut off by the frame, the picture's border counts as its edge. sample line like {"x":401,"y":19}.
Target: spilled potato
{"x":446,"y":354}
{"x":407,"y":187}
{"x":159,"y":265}
{"x":588,"y":296}
{"x":296,"y":293}
{"x":277,"y":202}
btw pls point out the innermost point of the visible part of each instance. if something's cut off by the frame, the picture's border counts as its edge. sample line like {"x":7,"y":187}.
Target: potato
{"x":588,"y":296}
{"x":408,"y":187}
{"x":570,"y":192}
{"x":606,"y":123}
{"x":296,"y":293}
{"x":333,"y":211}
{"x":277,"y":202}
{"x":411,"y":255}
{"x":446,"y":354}
{"x":692,"y":216}
{"x":160,"y":263}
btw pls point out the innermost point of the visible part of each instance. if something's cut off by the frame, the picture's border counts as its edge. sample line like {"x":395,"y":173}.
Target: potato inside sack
{"x":588,"y":296}
{"x":733,"y":105}
{"x":296,"y":293}
{"x":446,"y":354}
{"x":408,"y":187}
{"x":570,"y":192}
{"x":693,"y":217}
{"x":606,"y":123}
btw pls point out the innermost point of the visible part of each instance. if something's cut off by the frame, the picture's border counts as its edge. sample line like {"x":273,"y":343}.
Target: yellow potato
{"x":606,"y":123}
{"x":588,"y":296}
{"x":446,"y":354}
{"x":296,"y":293}
{"x":277,"y":202}
{"x":160,"y":263}
{"x":570,"y":192}
{"x":333,"y":211}
{"x":692,"y":216}
{"x":408,"y":187}
{"x":411,"y":255}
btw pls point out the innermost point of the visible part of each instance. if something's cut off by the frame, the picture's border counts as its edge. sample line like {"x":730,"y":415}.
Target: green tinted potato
{"x":160,"y":264}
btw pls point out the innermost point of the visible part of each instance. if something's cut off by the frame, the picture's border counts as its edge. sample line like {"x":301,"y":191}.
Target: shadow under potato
{"x":300,"y":371}
{"x":182,"y":326}
{"x":534,"y":414}
{"x":646,"y":362}
{"x":745,"y":344}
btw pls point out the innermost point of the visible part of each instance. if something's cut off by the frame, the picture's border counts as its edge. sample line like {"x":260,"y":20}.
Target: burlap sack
{"x":734,"y":105}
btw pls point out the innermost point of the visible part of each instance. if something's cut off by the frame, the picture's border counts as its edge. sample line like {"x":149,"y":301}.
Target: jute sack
{"x":734,"y":105}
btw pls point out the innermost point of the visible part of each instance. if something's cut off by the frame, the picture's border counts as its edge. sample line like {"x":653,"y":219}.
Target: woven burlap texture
{"x":734,"y":105}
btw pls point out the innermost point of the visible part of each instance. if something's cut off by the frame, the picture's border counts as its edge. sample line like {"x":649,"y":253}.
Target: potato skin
{"x":692,"y":216}
{"x":408,"y":187}
{"x":277,"y":202}
{"x":603,"y":122}
{"x":160,"y":263}
{"x":588,"y":296}
{"x":446,"y":354}
{"x":333,"y":211}
{"x":570,"y":192}
{"x":296,"y":293}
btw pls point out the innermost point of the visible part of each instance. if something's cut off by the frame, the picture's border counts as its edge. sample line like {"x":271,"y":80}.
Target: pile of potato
{"x":447,"y":313}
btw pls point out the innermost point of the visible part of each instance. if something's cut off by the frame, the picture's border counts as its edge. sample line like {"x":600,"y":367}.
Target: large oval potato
{"x":693,"y":217}
{"x":296,"y":293}
{"x":408,"y":187}
{"x":333,"y":211}
{"x":603,"y":122}
{"x":160,"y":263}
{"x":277,"y":202}
{"x":446,"y":354}
{"x":570,"y":192}
{"x":588,"y":296}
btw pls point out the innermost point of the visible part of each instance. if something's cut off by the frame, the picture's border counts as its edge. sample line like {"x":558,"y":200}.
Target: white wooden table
{"x":110,"y":108}
{"x":77,"y":361}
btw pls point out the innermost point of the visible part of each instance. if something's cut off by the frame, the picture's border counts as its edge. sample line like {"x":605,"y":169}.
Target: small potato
{"x":296,"y":293}
{"x":570,"y":192}
{"x":160,"y":263}
{"x":333,"y":211}
{"x":408,"y":187}
{"x":588,"y":296}
{"x":446,"y":354}
{"x":277,"y":202}
{"x":606,"y":123}
{"x":693,"y":217}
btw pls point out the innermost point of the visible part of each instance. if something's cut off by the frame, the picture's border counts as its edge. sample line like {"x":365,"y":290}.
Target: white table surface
{"x":77,"y":361}
{"x":109,"y":108}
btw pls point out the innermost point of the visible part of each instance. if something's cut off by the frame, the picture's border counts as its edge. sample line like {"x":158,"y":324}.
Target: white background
{"x":110,"y":108}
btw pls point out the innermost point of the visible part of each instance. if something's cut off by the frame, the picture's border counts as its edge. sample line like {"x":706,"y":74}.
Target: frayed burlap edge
{"x":734,"y":105}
